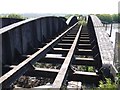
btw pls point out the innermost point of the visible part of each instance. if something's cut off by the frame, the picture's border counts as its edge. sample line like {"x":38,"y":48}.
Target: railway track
{"x":62,"y":60}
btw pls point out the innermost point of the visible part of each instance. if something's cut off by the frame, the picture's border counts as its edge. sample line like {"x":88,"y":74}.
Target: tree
{"x":109,"y":18}
{"x":105,"y":17}
{"x":115,"y":17}
{"x":17,"y":16}
{"x":119,"y":18}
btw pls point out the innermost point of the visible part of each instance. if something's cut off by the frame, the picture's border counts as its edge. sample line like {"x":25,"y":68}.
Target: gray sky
{"x":59,"y":6}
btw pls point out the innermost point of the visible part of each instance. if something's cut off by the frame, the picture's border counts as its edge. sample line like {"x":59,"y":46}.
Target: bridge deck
{"x":60,"y":58}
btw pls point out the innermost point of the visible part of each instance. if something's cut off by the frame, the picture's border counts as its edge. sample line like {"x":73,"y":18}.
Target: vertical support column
{"x":38,"y":32}
{"x":0,"y":53}
{"x":0,"y":22}
{"x":44,"y":30}
{"x":50,"y":27}
{"x":0,"y":58}
{"x":110,"y":30}
{"x":106,"y":27}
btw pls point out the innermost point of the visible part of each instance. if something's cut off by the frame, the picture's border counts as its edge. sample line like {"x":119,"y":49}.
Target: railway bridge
{"x":55,"y":53}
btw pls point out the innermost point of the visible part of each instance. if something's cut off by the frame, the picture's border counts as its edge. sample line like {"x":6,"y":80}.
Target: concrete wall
{"x":21,"y":38}
{"x":105,"y":46}
{"x":117,"y":51}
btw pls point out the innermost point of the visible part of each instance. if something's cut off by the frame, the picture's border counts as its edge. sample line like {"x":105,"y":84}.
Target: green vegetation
{"x":44,"y":65}
{"x":86,"y":68}
{"x":118,"y":81}
{"x":16,"y":16}
{"x":68,"y":15}
{"x":109,"y":18}
{"x":105,"y":17}
{"x":81,"y":18}
{"x":109,"y":85}
{"x":115,"y":18}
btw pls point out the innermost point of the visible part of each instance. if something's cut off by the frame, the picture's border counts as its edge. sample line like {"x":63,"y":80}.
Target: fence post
{"x":110,"y":30}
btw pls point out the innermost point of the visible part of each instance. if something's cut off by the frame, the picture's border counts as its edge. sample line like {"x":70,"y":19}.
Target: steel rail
{"x":7,"y":79}
{"x":59,"y":80}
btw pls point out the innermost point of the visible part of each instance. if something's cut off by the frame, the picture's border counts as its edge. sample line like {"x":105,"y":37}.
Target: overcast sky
{"x":59,"y":6}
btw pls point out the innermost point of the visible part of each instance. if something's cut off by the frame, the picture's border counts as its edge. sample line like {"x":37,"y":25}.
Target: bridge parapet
{"x":7,"y":21}
{"x":117,"y":51}
{"x":71,"y":20}
{"x":104,"y":44}
{"x":22,"y":37}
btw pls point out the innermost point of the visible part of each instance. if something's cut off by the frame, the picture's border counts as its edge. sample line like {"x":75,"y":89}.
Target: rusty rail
{"x":20,"y":69}
{"x":64,"y":68}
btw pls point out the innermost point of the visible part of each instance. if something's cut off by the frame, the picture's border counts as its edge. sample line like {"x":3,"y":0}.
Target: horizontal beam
{"x":66,"y":41}
{"x":71,"y":38}
{"x":84,"y":52}
{"x":77,"y":61}
{"x":43,"y":72}
{"x":84,"y":46}
{"x":63,"y":45}
{"x":59,"y":51}
{"x":84,"y":61}
{"x":84,"y":77}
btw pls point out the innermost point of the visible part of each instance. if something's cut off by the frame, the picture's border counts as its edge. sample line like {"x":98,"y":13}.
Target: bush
{"x":108,"y":85}
{"x":118,"y":81}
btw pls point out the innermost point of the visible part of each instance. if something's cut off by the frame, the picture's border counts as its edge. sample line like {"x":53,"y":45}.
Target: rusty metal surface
{"x":22,"y":37}
{"x":71,"y":20}
{"x":16,"y":72}
{"x":77,"y":46}
{"x":64,"y":68}
{"x":7,"y":21}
